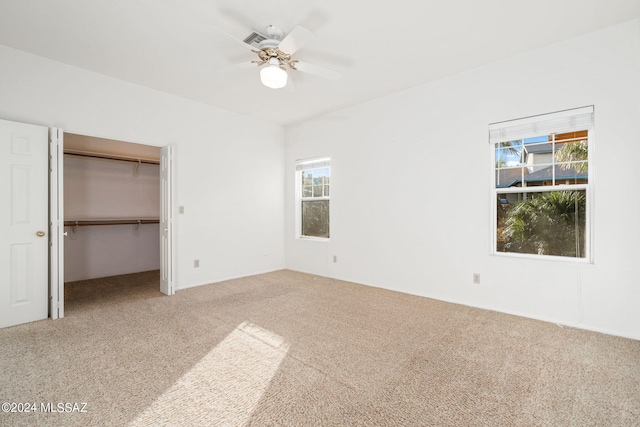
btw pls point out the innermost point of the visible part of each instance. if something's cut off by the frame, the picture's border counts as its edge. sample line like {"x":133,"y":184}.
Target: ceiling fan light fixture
{"x":273,"y":76}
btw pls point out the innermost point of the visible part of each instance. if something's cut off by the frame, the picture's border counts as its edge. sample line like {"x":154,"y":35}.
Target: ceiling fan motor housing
{"x":274,"y":33}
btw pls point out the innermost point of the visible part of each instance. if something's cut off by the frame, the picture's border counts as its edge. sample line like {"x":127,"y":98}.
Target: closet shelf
{"x":110,"y":157}
{"x":119,"y":221}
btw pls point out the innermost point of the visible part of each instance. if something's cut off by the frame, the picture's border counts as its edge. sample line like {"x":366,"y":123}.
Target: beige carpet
{"x":87,"y":294}
{"x":288,"y":348}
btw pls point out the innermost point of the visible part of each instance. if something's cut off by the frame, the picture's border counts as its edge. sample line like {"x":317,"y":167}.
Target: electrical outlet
{"x":335,"y":258}
{"x":196,"y":263}
{"x":476,"y":278}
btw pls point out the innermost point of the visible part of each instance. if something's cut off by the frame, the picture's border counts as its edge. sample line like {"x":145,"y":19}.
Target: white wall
{"x":104,"y":251}
{"x":97,"y":188}
{"x":228,"y":167}
{"x":411,"y":179}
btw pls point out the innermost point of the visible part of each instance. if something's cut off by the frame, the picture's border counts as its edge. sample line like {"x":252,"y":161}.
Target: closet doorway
{"x":116,"y":209}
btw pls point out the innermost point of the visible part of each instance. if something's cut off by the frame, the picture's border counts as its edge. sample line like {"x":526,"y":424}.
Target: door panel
{"x":20,"y":188}
{"x":24,"y":263}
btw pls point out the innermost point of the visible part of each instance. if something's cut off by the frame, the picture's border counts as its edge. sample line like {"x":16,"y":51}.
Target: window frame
{"x":301,"y":166}
{"x":587,"y":187}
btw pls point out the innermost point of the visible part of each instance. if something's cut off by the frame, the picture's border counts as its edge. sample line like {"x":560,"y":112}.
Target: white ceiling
{"x":380,"y":47}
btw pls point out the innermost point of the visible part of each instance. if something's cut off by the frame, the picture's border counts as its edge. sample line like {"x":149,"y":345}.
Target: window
{"x":312,"y":198}
{"x":541,"y":190}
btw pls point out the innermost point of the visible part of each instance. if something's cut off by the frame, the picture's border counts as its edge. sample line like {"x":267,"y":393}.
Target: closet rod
{"x":74,"y":223}
{"x":111,"y":157}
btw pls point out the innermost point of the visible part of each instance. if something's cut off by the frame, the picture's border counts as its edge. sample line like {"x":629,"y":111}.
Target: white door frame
{"x":56,"y":223}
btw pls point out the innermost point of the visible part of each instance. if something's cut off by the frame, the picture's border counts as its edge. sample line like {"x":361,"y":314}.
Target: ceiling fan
{"x":274,"y":55}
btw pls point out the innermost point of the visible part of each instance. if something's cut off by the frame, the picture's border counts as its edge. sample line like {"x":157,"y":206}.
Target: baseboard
{"x":513,"y":313}
{"x":561,"y":324}
{"x":224,"y":279}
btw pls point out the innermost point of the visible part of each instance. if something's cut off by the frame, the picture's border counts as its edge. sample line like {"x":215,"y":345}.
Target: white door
{"x":166,"y":221}
{"x":24,"y":263}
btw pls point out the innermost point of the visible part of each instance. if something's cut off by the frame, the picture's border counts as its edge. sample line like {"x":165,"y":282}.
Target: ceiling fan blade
{"x":296,"y":38}
{"x":236,"y":67}
{"x":317,"y":70}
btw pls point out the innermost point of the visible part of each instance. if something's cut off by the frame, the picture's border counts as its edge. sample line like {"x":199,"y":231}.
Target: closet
{"x":111,"y":215}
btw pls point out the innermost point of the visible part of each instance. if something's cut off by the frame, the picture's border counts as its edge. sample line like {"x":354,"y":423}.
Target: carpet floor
{"x":293,"y":349}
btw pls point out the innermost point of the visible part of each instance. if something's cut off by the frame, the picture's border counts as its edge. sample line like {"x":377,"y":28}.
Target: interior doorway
{"x":112,"y":198}
{"x":33,"y":272}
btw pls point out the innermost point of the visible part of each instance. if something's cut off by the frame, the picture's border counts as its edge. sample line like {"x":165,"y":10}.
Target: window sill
{"x":314,"y":239}
{"x":534,"y":257}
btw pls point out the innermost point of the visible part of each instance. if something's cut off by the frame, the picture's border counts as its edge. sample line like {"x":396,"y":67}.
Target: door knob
{"x":40,"y":233}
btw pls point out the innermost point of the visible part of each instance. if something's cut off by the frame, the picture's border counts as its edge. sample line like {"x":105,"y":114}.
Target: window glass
{"x":315,"y":218}
{"x":542,"y":223}
{"x":508,"y":154}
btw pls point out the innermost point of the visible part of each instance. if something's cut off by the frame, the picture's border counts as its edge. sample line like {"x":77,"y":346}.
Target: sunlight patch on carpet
{"x":225,"y":386}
